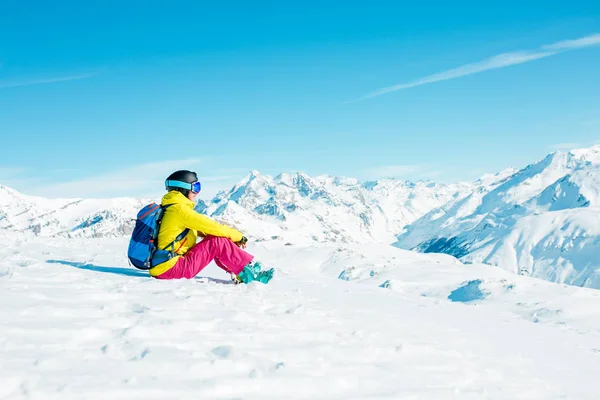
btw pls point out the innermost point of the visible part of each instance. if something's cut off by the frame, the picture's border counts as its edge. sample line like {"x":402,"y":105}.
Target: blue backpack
{"x":142,"y":251}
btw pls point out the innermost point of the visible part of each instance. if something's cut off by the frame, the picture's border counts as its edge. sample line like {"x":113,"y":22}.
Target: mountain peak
{"x":252,"y":175}
{"x":590,"y":154}
{"x":294,"y":179}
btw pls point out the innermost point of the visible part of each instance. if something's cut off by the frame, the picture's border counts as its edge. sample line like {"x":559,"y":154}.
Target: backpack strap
{"x":171,"y":252}
{"x":177,"y":239}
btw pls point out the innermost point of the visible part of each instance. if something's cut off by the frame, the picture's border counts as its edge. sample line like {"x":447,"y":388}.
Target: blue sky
{"x":108,"y":100}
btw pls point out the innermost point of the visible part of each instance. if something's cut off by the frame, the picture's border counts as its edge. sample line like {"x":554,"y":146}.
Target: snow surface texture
{"x":542,"y":221}
{"x":77,"y":323}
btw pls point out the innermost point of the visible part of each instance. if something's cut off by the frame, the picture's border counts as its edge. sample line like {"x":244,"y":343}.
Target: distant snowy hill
{"x":67,"y":217}
{"x":542,"y":221}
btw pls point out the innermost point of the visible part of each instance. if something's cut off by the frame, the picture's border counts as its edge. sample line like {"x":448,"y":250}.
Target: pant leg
{"x":233,"y":259}
{"x":230,"y":258}
{"x":226,"y":254}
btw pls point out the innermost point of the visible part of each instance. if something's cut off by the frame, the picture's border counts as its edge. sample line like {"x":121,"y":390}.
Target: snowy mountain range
{"x":296,"y":207}
{"x":291,"y":207}
{"x":541,"y":221}
{"x":67,"y":217}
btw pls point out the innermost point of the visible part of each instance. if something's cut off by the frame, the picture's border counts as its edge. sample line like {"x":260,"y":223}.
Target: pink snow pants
{"x":226,"y":254}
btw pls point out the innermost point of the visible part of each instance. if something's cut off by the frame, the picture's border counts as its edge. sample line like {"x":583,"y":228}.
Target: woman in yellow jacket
{"x":180,"y":227}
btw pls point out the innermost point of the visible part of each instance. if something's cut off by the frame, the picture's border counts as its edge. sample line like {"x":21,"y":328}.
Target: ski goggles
{"x":194,"y":186}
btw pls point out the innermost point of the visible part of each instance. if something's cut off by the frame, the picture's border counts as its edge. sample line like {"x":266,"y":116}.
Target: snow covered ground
{"x":77,"y":323}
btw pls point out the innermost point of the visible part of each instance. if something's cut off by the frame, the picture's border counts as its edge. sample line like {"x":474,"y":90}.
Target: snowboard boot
{"x":265,"y":276}
{"x":252,"y":272}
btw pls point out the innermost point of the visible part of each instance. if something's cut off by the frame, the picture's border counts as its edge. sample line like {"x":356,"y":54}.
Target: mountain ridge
{"x":559,"y":195}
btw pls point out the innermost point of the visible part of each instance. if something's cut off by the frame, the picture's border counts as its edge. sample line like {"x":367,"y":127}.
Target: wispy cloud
{"x":391,"y":171}
{"x":495,"y":62}
{"x":586,"y":41}
{"x":135,"y":180}
{"x":24,"y":82}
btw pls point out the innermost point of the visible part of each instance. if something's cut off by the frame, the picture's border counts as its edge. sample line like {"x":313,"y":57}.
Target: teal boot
{"x":265,"y":276}
{"x":246,"y":276}
{"x":255,"y":266}
{"x":259,"y":275}
{"x":252,"y":272}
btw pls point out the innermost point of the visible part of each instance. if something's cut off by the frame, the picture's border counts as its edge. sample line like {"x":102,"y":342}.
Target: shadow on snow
{"x":123,"y":271}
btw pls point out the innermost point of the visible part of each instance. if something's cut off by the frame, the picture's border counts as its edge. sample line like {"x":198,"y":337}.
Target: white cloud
{"x":499,"y":61}
{"x":390,"y":171}
{"x":15,"y":83}
{"x":145,"y":180}
{"x":495,"y":62}
{"x":587,"y":41}
{"x":131,"y":181}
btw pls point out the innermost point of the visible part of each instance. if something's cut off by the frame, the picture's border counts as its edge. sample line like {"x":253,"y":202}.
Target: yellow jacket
{"x":176,"y":219}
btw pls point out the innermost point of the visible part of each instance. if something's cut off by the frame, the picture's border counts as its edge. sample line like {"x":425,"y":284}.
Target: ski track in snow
{"x":77,"y":323}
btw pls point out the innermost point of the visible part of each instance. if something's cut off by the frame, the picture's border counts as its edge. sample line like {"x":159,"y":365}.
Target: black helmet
{"x":182,"y":182}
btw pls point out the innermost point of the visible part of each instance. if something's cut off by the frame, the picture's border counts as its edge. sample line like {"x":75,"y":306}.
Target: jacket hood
{"x":175,"y":197}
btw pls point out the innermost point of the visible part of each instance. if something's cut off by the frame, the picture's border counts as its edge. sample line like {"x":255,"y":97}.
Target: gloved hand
{"x":242,"y":242}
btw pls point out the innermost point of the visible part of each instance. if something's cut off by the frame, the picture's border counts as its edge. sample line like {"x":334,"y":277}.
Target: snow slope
{"x":541,"y":221}
{"x":76,"y":323}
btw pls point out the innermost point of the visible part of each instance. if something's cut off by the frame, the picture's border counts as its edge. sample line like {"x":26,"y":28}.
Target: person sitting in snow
{"x":220,"y":243}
